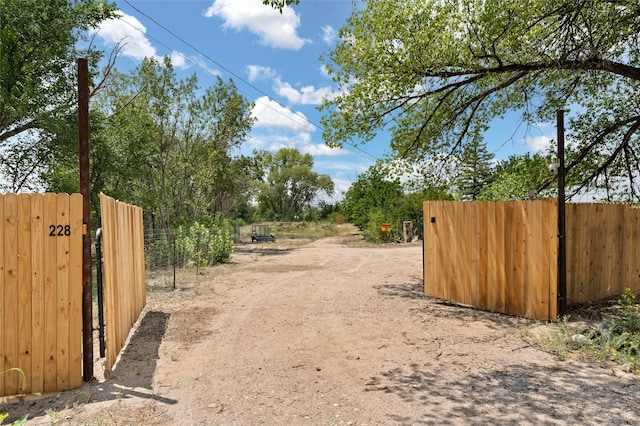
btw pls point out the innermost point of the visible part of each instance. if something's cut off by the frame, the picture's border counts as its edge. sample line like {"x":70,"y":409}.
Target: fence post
{"x":562,"y":245}
{"x":83,"y":153}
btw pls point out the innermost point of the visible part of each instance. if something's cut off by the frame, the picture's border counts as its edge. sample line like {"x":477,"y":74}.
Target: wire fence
{"x":177,"y":258}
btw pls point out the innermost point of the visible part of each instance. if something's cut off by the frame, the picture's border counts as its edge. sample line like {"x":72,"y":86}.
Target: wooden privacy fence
{"x":496,"y":256}
{"x":40,"y":292}
{"x":503,"y":256}
{"x":603,"y":250}
{"x":124,"y":272}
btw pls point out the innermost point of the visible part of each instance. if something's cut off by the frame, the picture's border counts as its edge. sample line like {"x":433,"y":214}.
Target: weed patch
{"x":616,"y":338}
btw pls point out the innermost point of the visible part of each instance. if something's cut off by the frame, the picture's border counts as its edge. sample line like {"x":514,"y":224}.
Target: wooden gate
{"x":40,"y":292}
{"x":499,"y":256}
{"x":124,"y":272}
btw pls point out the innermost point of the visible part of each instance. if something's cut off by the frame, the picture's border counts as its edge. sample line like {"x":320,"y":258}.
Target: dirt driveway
{"x":327,"y":333}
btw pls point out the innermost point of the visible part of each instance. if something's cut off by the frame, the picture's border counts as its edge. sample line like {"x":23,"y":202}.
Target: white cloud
{"x":306,"y":95}
{"x":275,"y":29}
{"x":178,"y":60}
{"x":258,"y":72}
{"x":130,"y":33}
{"x":270,"y":114}
{"x":324,"y":70}
{"x":301,"y":141}
{"x":329,"y":34}
{"x":538,"y":143}
{"x":321,"y":149}
{"x":354,"y":168}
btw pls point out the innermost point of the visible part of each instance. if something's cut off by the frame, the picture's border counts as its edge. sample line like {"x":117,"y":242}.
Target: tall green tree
{"x":165,"y":144}
{"x":436,"y":72}
{"x":184,"y":139}
{"x":289,"y":184}
{"x":520,"y":177}
{"x":376,"y":197}
{"x":372,"y":193}
{"x":38,"y":53}
{"x":474,"y":170}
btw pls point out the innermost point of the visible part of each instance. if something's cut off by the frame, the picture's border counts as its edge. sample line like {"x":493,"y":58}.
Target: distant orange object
{"x":386,"y":227}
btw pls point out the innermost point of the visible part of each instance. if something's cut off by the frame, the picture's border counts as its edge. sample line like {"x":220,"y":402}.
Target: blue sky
{"x":274,"y":60}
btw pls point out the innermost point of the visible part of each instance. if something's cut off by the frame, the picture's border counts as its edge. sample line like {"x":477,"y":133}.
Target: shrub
{"x":222,"y":247}
{"x":627,"y":310}
{"x":200,"y":246}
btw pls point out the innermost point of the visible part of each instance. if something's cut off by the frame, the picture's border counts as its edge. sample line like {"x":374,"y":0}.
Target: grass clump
{"x":616,"y":338}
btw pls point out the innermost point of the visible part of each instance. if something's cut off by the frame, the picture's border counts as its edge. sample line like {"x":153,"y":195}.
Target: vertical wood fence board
{"x":622,"y":235}
{"x":75,"y":296}
{"x":516,"y":285}
{"x":572,"y":239}
{"x":484,"y":230}
{"x":550,"y":221}
{"x":500,"y":259}
{"x":550,"y":236}
{"x":460,"y":226}
{"x":63,"y":293}
{"x":451,"y":291}
{"x":509,"y":257}
{"x":429,"y":248}
{"x":437,"y":276}
{"x":481,"y":264}
{"x":50,"y":296}
{"x":24,"y":301}
{"x":474,"y":256}
{"x":600,"y":254}
{"x":108,"y":243}
{"x":37,"y":301}
{"x":628,"y":248}
{"x":10,"y":293}
{"x":613,"y":261}
{"x":535,"y":300}
{"x":2,"y":297}
{"x":634,"y":261}
{"x":448,"y":254}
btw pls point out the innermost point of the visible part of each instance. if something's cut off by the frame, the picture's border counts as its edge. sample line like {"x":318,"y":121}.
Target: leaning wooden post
{"x":83,"y":150}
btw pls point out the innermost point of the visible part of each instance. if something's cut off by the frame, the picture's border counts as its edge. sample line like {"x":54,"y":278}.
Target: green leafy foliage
{"x":375,"y":199}
{"x":199,"y":246}
{"x":222,"y":247}
{"x":22,"y":420}
{"x":519,"y":177}
{"x":629,"y":312}
{"x":474,"y":171}
{"x":436,"y":73}
{"x":38,"y":42}
{"x":371,"y":194}
{"x":615,"y":339}
{"x":288,"y":184}
{"x":164,"y":144}
{"x":39,"y":47}
{"x":280,"y":4}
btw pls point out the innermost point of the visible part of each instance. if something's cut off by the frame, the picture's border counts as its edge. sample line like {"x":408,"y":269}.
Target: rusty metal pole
{"x":83,"y":151}
{"x":562,"y":244}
